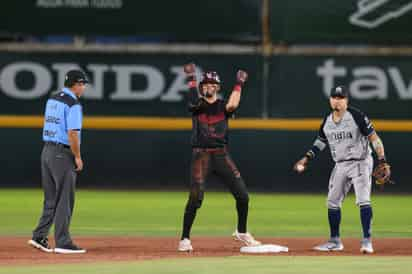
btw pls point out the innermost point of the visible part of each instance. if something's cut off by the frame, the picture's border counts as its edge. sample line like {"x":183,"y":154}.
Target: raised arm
{"x":234,"y":99}
{"x":194,"y":100}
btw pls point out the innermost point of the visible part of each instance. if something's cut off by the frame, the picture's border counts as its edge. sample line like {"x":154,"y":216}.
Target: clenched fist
{"x":241,"y":76}
{"x":189,"y":69}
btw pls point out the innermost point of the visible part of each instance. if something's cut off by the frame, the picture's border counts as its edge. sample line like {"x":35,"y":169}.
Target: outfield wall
{"x":161,"y":159}
{"x":124,"y":147}
{"x":152,"y":83}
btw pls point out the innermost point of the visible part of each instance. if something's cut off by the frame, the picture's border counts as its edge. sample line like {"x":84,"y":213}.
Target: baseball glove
{"x":382,"y":173}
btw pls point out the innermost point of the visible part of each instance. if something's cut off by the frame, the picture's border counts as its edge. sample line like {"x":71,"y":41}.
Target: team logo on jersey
{"x":340,"y":135}
{"x":373,"y":13}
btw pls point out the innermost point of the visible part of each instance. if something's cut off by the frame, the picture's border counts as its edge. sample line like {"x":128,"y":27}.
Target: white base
{"x":69,"y":251}
{"x":264,"y":248}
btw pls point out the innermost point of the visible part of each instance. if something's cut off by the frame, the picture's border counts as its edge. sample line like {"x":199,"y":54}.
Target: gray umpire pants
{"x":59,"y":183}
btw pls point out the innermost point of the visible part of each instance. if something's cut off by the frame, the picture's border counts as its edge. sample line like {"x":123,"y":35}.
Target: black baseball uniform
{"x":210,"y":154}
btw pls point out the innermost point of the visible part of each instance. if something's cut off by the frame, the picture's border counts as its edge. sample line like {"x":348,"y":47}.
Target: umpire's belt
{"x":56,"y":144}
{"x":210,"y":150}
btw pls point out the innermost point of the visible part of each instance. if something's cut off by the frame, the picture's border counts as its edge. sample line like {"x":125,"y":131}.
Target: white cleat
{"x":331,"y":245}
{"x":185,"y":245}
{"x":366,"y":246}
{"x":246,"y":238}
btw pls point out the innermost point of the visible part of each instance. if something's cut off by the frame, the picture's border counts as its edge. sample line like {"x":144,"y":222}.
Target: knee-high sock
{"x":188,"y":219}
{"x":242,"y":207}
{"x":239,"y":192}
{"x":334,"y":216}
{"x":366,"y":219}
{"x":193,"y":204}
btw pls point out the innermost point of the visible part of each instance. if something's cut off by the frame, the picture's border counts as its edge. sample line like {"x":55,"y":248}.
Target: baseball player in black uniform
{"x":210,"y":150}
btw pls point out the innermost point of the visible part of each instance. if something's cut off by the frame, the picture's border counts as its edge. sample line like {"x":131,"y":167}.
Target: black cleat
{"x":41,"y":244}
{"x":69,"y":249}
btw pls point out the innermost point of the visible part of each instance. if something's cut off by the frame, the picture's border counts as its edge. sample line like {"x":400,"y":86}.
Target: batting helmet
{"x":210,"y":77}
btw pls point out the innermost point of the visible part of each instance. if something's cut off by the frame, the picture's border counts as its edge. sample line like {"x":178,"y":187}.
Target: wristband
{"x":310,"y":155}
{"x":237,"y":87}
{"x":192,"y":84}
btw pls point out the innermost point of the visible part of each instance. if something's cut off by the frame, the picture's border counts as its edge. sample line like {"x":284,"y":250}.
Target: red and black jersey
{"x":210,"y":125}
{"x":209,"y":121}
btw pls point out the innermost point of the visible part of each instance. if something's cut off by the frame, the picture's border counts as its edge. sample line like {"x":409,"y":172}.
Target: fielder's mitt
{"x":382,"y":173}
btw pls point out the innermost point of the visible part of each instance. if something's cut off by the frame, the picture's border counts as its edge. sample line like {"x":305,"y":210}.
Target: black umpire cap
{"x":75,"y":76}
{"x":339,"y":91}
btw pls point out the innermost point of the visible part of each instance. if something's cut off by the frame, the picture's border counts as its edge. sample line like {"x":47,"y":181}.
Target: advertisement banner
{"x":341,"y":22}
{"x":380,"y":86}
{"x":149,"y":20}
{"x":121,"y":84}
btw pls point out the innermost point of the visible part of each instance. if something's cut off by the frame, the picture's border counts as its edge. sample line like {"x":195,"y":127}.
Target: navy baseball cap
{"x":339,"y":91}
{"x":75,"y":76}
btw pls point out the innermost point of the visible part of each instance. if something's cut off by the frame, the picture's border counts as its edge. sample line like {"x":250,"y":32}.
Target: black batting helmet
{"x":210,"y":77}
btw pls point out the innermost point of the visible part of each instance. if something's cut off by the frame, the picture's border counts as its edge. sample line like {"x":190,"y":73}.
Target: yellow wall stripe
{"x":157,"y":123}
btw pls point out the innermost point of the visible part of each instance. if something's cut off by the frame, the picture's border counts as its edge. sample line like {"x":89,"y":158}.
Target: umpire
{"x":60,"y":162}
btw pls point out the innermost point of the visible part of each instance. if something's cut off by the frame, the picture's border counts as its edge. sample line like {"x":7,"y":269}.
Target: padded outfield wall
{"x":137,"y":130}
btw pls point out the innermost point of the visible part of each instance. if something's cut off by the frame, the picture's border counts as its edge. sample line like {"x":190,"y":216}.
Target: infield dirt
{"x":16,"y":251}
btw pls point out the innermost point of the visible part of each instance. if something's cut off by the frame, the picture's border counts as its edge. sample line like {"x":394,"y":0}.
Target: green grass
{"x":236,"y":265}
{"x":160,"y":214}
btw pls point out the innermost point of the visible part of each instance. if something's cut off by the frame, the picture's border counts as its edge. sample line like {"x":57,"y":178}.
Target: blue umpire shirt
{"x":63,"y":113}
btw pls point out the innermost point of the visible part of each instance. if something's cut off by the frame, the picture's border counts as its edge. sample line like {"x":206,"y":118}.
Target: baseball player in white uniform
{"x":348,"y":133}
